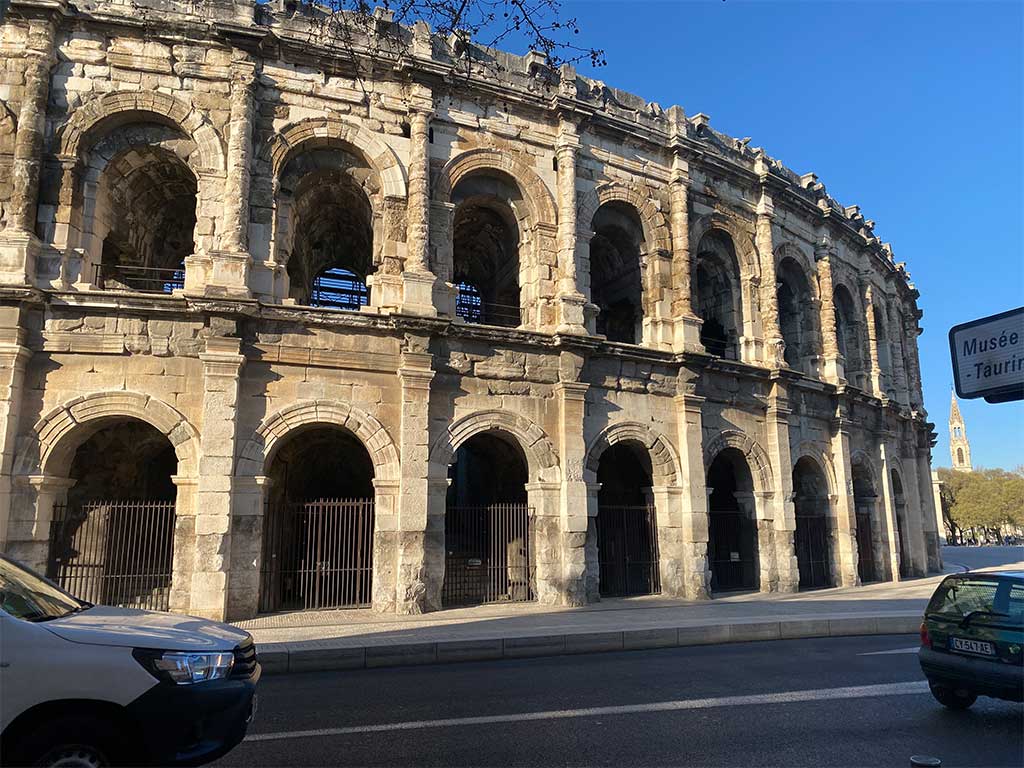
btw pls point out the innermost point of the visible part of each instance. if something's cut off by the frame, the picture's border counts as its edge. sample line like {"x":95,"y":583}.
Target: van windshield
{"x":25,"y":595}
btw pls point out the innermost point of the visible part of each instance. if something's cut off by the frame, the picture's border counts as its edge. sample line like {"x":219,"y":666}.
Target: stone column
{"x":929,"y":519}
{"x":417,"y":279}
{"x":844,"y":556}
{"x":774,"y":347}
{"x":408,"y":539}
{"x":915,"y":519}
{"x":249,"y":495}
{"x":911,"y":331}
{"x":782,"y":509}
{"x":570,"y":300}
{"x":544,"y":499}
{"x":899,"y":370}
{"x":19,"y":245}
{"x":222,"y":366}
{"x":442,"y":230}
{"x":592,"y":573}
{"x":875,"y":371}
{"x":687,"y":329}
{"x":571,"y":397}
{"x":834,"y":363}
{"x":14,"y":356}
{"x":693,"y":502}
{"x":673,"y":552}
{"x":28,"y":529}
{"x":889,"y":508}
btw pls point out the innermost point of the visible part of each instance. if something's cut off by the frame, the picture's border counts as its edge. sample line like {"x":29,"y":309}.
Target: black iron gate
{"x":865,"y":549}
{"x":812,"y":551}
{"x":627,"y":551}
{"x":317,"y":554}
{"x":115,"y":552}
{"x":732,"y":551}
{"x":488,"y":555}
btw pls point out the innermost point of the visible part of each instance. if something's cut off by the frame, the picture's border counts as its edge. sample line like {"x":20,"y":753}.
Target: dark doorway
{"x":488,"y":525}
{"x":318,"y":531}
{"x":812,"y":525}
{"x":864,"y":498}
{"x":900,"y":508}
{"x":732,"y":527}
{"x":627,"y":529}
{"x":113,"y":541}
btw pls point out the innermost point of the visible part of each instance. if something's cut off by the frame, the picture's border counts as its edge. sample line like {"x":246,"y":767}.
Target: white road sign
{"x":988,"y":357}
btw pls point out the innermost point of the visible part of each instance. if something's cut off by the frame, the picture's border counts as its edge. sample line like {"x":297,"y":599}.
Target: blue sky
{"x":911,"y":110}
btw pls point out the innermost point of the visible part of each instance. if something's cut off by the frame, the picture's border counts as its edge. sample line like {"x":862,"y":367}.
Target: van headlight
{"x":184,"y":668}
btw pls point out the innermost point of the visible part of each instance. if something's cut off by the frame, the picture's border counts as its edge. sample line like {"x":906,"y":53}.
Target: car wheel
{"x":72,"y":742}
{"x":953,"y":698}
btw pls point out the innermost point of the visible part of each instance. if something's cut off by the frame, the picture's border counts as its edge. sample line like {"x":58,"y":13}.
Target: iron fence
{"x":339,"y":289}
{"x":137,"y":278}
{"x":488,"y":555}
{"x":471,"y":307}
{"x":627,"y":547}
{"x":317,"y":554}
{"x":115,"y":552}
{"x":865,"y":548}
{"x":812,"y":551}
{"x":732,"y":551}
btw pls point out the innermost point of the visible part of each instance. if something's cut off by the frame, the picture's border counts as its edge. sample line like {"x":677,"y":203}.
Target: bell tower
{"x":959,"y":447}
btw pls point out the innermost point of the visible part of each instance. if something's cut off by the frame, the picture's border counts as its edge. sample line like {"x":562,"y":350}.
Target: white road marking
{"x":914,"y":649}
{"x":787,"y":697}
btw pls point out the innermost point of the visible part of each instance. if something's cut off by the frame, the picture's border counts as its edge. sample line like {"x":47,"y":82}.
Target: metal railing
{"x":627,"y":551}
{"x":117,"y":552}
{"x":471,"y":307}
{"x":318,"y":554}
{"x":488,"y":555}
{"x":732,"y":551}
{"x":134,"y":278}
{"x":812,"y":550}
{"x":339,"y":289}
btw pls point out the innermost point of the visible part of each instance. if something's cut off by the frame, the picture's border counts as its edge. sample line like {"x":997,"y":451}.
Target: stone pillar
{"x":844,"y":555}
{"x":19,"y":246}
{"x":783,"y":510}
{"x":442,"y":230}
{"x":570,"y":300}
{"x":185,"y":555}
{"x":28,"y":529}
{"x":574,"y":503}
{"x":940,"y":523}
{"x":834,"y":364}
{"x":869,"y":322}
{"x":915,"y":519}
{"x":687,"y":329}
{"x":249,"y":495}
{"x":889,"y":509}
{"x":774,"y":347}
{"x":408,"y":538}
{"x":592,"y":573}
{"x":899,"y":370}
{"x":911,"y":331}
{"x":14,"y":356}
{"x":693,"y":502}
{"x":418,"y":281}
{"x":930,"y":523}
{"x":222,"y":366}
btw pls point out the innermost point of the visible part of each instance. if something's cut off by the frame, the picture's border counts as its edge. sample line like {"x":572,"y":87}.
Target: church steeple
{"x":959,"y":447}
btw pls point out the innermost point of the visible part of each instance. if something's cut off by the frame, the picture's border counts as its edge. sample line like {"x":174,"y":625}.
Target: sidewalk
{"x":356,"y":639}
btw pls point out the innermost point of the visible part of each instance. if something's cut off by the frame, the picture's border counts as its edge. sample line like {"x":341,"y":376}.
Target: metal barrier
{"x":488,"y":555}
{"x":471,"y":307}
{"x":117,"y":552}
{"x":135,"y":278}
{"x":627,"y":547}
{"x":339,"y":289}
{"x":732,"y":551}
{"x":812,"y":551}
{"x":318,"y":554}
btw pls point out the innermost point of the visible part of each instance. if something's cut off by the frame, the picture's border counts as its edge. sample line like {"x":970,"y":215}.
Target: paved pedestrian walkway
{"x":358,"y":638}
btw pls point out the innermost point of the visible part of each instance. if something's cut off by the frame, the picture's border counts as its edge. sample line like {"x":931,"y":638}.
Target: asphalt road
{"x":975,"y":558}
{"x":785,"y":703}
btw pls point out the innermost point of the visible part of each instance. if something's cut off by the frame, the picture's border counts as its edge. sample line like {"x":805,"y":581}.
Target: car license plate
{"x":979,"y":647}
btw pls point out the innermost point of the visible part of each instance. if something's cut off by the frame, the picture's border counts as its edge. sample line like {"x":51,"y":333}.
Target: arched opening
{"x":796,"y":317}
{"x":488,"y":527}
{"x":813,"y":552}
{"x":882,"y":342}
{"x":485,"y":249}
{"x":319,"y":523}
{"x":900,"y":508}
{"x":144,"y":212}
{"x":112,"y":542}
{"x":960,"y":456}
{"x":868,"y":534}
{"x":627,"y":530}
{"x":616,"y":285}
{"x":325,"y":226}
{"x":717,"y":299}
{"x":732,"y":524}
{"x":848,"y":335}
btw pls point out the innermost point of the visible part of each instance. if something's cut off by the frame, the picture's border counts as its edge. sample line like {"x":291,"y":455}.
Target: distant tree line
{"x":985,"y":505}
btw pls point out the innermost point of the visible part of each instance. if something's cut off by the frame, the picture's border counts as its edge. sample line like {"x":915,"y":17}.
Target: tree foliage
{"x":985,"y":499}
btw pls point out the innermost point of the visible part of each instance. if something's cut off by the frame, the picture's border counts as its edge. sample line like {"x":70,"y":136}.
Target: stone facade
{"x":670,"y":289}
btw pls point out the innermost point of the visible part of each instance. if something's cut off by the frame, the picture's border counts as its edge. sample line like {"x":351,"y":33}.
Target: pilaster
{"x":869,"y":321}
{"x":570,"y":300}
{"x":774,"y":347}
{"x":418,"y":281}
{"x":784,"y":511}
{"x":834,"y":364}
{"x":14,"y":356}
{"x":843,"y":507}
{"x":571,"y":396}
{"x":693,"y":502}
{"x":889,"y":507}
{"x":687,"y":324}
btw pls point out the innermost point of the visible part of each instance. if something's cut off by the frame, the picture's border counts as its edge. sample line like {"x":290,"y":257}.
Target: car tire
{"x":953,"y":698}
{"x":84,"y":742}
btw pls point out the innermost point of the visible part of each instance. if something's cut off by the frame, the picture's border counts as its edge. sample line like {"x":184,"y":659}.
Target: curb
{"x":325,"y":655}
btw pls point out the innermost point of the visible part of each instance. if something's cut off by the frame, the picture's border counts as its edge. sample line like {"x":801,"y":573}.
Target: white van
{"x":88,"y":685}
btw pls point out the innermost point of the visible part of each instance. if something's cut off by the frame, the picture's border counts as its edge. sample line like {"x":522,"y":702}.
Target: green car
{"x":972,"y":638}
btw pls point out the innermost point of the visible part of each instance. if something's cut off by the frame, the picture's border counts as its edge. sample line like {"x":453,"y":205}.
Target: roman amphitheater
{"x":280,"y":335}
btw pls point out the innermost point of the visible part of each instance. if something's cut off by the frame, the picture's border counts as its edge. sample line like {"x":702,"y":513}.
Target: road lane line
{"x":787,"y":697}
{"x":914,"y":649}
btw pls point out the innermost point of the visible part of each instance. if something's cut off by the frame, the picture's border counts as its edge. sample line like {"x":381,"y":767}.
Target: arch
{"x":664,"y":461}
{"x":55,"y":437}
{"x":796,"y":295}
{"x":258,"y":451}
{"x":807,"y":450}
{"x":535,"y":193}
{"x":860,"y":458}
{"x":100,"y":111}
{"x":541,"y":456}
{"x":742,"y":239}
{"x":656,"y":231}
{"x":378,"y":153}
{"x":757,"y":459}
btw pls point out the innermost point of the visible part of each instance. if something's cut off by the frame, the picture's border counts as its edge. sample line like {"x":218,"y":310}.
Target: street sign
{"x":988,"y":357}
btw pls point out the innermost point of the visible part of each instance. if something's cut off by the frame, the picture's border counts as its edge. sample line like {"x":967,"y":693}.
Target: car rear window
{"x":956,"y":598}
{"x":1015,"y":607}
